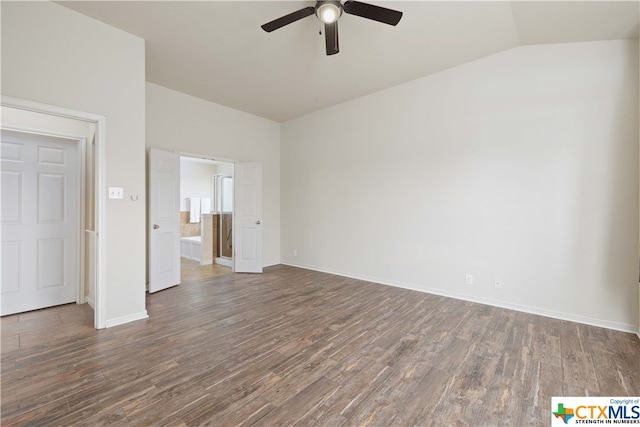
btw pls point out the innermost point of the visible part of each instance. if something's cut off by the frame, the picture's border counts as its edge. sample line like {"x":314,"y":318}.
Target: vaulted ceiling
{"x":217,"y":51}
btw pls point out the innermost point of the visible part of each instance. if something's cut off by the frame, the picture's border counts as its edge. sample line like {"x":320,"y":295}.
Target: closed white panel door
{"x":248,"y":217}
{"x":164,"y":220}
{"x":39,"y":221}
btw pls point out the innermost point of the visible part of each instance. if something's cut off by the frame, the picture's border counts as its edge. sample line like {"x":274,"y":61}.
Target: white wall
{"x":53,"y":55}
{"x":196,"y":180}
{"x":521,"y":166}
{"x":179,"y":122}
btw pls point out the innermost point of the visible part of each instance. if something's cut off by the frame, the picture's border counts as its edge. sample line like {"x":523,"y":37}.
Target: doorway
{"x":73,"y":262}
{"x":167,"y":187}
{"x":206,"y":218}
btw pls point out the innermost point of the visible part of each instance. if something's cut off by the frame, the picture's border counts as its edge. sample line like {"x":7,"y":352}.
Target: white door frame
{"x":100,"y":174}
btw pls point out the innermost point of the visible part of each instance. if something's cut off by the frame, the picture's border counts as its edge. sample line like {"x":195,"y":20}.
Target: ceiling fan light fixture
{"x":329,"y":12}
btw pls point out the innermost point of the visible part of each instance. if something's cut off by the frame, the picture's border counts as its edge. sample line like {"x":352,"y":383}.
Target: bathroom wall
{"x":196,"y":180}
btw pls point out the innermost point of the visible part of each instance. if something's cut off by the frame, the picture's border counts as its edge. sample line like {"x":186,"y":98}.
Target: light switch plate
{"x":116,"y":192}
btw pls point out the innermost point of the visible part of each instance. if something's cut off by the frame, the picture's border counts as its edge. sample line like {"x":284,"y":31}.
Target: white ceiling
{"x":217,"y":51}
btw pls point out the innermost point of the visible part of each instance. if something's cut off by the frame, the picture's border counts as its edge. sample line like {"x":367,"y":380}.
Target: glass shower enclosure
{"x":224,"y":202}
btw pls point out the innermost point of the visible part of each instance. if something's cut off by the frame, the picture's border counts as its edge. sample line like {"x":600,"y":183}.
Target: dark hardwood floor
{"x":192,"y":270}
{"x":296,"y":347}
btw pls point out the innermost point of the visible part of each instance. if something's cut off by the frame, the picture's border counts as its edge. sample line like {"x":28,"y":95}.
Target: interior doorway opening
{"x":85,"y":131}
{"x":206,"y":217}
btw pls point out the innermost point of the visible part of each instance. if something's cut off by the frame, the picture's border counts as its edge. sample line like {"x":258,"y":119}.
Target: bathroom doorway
{"x":206,"y":218}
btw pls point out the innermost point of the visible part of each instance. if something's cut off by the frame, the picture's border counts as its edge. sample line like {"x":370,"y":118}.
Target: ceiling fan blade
{"x":369,"y":11}
{"x":331,"y":38}
{"x":288,"y":19}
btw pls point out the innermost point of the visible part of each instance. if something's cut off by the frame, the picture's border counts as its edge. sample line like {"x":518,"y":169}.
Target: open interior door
{"x":247,"y":217}
{"x":164,"y":220}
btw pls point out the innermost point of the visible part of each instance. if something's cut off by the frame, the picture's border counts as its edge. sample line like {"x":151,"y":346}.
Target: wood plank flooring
{"x":191,"y":270}
{"x":297,"y":347}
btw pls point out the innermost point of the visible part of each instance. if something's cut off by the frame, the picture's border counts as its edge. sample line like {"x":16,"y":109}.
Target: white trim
{"x":224,"y":261}
{"x":90,"y":301}
{"x":126,"y":319}
{"x":487,"y":301}
{"x":100,"y":226}
{"x":273,"y":264}
{"x":203,"y":156}
{"x":100,"y":212}
{"x":82,"y":193}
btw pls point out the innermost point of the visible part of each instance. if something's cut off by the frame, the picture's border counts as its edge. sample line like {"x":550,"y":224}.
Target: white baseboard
{"x":224,"y":261}
{"x":623,"y":327}
{"x":126,"y":319}
{"x":271,"y":265}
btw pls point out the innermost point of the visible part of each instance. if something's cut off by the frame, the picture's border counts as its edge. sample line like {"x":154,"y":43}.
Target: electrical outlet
{"x":468,"y":280}
{"x":295,"y":252}
{"x":497,"y":283}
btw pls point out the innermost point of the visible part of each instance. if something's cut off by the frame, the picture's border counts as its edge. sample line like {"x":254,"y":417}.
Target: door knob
{"x":258,"y":222}
{"x":156,"y":226}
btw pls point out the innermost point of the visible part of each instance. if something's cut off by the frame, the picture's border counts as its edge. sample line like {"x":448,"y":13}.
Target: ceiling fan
{"x":328,"y":12}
